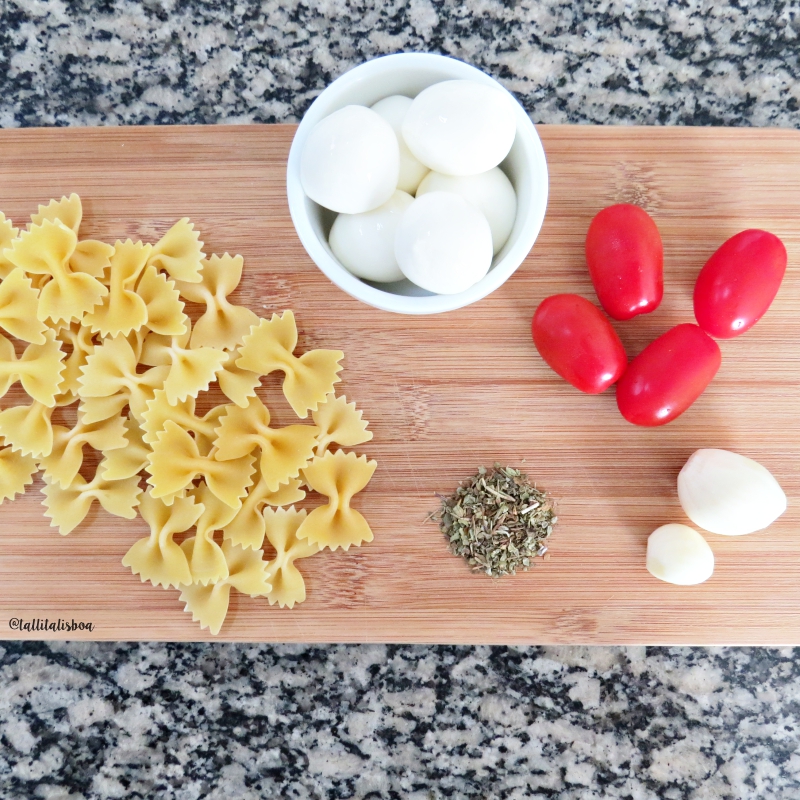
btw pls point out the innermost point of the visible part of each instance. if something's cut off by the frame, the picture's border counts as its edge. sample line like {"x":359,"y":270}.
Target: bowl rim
{"x":343,"y":278}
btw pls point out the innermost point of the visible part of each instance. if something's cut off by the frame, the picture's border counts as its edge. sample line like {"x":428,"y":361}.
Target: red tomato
{"x":668,"y":376}
{"x":578,"y":342}
{"x":626,"y":261}
{"x":738,"y":283}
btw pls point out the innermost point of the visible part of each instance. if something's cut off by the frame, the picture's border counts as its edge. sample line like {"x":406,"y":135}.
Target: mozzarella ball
{"x":393,"y":109}
{"x":350,"y":161}
{"x":461,"y":127}
{"x":443,"y":243}
{"x":491,"y":192}
{"x":364,"y":243}
{"x":679,"y":554}
{"x":729,"y":494}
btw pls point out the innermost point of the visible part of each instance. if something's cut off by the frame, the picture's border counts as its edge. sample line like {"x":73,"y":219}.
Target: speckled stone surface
{"x":97,"y":721}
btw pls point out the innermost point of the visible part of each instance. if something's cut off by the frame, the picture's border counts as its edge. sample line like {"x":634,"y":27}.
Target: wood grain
{"x":446,"y":394}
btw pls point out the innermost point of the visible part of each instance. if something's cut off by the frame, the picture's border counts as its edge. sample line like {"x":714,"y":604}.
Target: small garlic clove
{"x":723,"y":492}
{"x":679,"y":554}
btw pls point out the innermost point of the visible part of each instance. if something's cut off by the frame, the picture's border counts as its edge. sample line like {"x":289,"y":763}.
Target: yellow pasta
{"x":7,"y":235}
{"x":111,"y":371}
{"x":340,"y":423}
{"x":190,"y":371}
{"x":284,"y":451}
{"x":66,"y":457}
{"x":16,"y":472}
{"x":175,"y":461}
{"x":206,"y":559}
{"x":163,"y":302}
{"x":79,"y":340}
{"x":93,"y":318}
{"x":308,"y":379}
{"x":46,"y":249}
{"x":237,"y":384}
{"x":222,"y":325}
{"x":157,"y":558}
{"x":121,"y":310}
{"x":159,"y":411}
{"x":124,"y":462}
{"x":247,"y":527}
{"x":288,"y":585}
{"x":28,"y":428}
{"x":38,"y":369}
{"x":247,"y":573}
{"x":67,"y":508}
{"x":19,"y":304}
{"x":338,"y":476}
{"x":179,"y":252}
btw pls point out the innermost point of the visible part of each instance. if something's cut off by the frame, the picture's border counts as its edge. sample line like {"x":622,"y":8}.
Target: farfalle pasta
{"x":157,"y":558}
{"x":222,"y":325}
{"x":338,"y":476}
{"x":284,"y":451}
{"x":102,"y":334}
{"x":308,"y":379}
{"x":247,"y":573}
{"x":281,"y":526}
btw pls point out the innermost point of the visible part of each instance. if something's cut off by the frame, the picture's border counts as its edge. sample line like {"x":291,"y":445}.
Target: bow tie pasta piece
{"x":338,"y":476}
{"x":237,"y":384}
{"x":7,"y":235}
{"x":247,"y":527}
{"x":157,"y":558}
{"x":222,"y":325}
{"x":67,"y":508}
{"x":111,"y":370}
{"x":66,"y":457}
{"x":288,"y":585}
{"x":190,"y":371}
{"x":28,"y":428}
{"x":120,"y":463}
{"x":19,"y":303}
{"x":308,"y":379}
{"x":164,"y":307}
{"x":39,"y":368}
{"x":284,"y":451}
{"x":90,"y":256}
{"x":121,"y":310}
{"x":179,"y":252}
{"x":206,"y":560}
{"x":96,"y":409}
{"x":16,"y":472}
{"x":175,"y":461}
{"x":339,"y":422}
{"x":46,"y":249}
{"x":159,"y":411}
{"x":247,"y":574}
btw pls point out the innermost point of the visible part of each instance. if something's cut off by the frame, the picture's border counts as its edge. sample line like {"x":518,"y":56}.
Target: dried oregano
{"x":497,"y":521}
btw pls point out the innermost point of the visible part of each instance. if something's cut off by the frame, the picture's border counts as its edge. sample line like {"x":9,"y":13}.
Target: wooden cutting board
{"x":448,"y":393}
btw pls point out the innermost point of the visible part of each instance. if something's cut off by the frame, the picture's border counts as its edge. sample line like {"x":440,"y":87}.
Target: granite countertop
{"x":185,"y":721}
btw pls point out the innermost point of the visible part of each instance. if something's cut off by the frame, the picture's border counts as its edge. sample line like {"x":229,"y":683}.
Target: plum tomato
{"x":626,"y":261}
{"x":668,"y":376}
{"x":578,"y":342}
{"x":738,"y":283}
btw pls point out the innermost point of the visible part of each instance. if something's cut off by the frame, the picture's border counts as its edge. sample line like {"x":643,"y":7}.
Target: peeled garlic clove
{"x":679,"y":554}
{"x":726,"y":493}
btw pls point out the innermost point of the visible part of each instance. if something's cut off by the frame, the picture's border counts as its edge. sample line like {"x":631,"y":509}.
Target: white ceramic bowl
{"x":409,"y":74}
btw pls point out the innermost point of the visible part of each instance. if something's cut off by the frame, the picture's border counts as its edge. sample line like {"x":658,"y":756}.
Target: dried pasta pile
{"x":105,"y":330}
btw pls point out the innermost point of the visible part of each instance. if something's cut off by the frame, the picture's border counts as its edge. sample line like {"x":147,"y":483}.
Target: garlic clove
{"x":729,"y":494}
{"x":679,"y":554}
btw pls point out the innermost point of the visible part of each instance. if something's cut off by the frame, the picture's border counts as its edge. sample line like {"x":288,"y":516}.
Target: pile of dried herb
{"x":497,"y":521}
